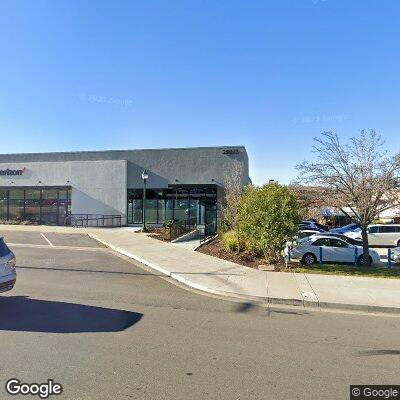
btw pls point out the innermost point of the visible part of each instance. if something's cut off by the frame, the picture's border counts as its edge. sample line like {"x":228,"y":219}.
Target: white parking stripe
{"x":43,"y":246}
{"x":47,"y":240}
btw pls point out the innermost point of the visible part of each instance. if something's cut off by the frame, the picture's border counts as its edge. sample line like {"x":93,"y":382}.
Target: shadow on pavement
{"x":382,"y":352}
{"x":244,"y":307}
{"x":89,"y":270}
{"x":22,"y":314}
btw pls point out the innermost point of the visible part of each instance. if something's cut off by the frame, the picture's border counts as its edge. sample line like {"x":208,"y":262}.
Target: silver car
{"x":395,"y":255}
{"x":8,"y":276}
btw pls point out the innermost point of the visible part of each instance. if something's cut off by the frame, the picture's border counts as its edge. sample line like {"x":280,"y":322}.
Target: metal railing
{"x":180,"y":228}
{"x":94,"y":221}
{"x":206,"y":232}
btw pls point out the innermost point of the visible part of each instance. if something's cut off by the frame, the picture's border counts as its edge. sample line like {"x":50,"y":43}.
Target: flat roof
{"x":124,"y":150}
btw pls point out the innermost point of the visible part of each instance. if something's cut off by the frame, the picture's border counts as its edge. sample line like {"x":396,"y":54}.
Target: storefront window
{"x":16,"y":205}
{"x":32,"y":205}
{"x":48,"y":206}
{"x":197,"y":204}
{"x":135,"y":205}
{"x":151,"y":206}
{"x":3,"y":204}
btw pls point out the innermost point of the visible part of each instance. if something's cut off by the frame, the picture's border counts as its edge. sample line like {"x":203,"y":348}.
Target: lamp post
{"x":145,"y":176}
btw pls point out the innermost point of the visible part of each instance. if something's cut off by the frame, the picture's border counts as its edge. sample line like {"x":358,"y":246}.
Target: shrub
{"x":269,"y":217}
{"x":15,"y":222}
{"x":229,"y":240}
{"x":168,"y":223}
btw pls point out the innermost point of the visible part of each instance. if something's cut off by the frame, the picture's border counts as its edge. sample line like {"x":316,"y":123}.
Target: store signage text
{"x":9,"y":171}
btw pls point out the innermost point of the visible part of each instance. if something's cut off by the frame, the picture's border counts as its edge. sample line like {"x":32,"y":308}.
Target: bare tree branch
{"x":359,"y":175}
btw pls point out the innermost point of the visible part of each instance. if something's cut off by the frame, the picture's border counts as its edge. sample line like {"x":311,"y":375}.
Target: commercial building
{"x":50,"y":188}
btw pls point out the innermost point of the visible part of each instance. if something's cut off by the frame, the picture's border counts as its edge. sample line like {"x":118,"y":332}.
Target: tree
{"x":233,"y":182}
{"x":359,"y":177}
{"x":268,"y":218}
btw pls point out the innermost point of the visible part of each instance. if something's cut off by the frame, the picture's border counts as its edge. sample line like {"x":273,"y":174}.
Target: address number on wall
{"x":230,"y":151}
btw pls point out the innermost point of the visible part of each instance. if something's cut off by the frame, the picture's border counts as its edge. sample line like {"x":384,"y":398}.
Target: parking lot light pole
{"x":145,"y":176}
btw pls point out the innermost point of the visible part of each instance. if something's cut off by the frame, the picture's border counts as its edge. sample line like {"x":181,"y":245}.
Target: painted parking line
{"x":47,"y":240}
{"x":52,"y":247}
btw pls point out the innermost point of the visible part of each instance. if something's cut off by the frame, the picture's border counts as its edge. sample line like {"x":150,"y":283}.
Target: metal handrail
{"x":204,"y":232}
{"x":94,"y":220}
{"x":180,"y":228}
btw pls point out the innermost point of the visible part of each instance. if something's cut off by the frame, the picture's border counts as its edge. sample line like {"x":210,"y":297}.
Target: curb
{"x":273,"y":301}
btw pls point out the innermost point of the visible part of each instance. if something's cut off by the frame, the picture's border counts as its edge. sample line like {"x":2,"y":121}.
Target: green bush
{"x":269,"y":217}
{"x":168,"y":223}
{"x":229,"y":240}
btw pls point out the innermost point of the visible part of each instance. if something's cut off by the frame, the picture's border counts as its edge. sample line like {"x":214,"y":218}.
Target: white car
{"x":395,"y":255}
{"x":380,"y":235}
{"x":354,"y":234}
{"x":8,"y":275}
{"x":344,"y":229}
{"x":332,"y":249}
{"x":305,"y":233}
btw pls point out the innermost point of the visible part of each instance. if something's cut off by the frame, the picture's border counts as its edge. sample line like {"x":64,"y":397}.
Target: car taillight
{"x":10,"y":264}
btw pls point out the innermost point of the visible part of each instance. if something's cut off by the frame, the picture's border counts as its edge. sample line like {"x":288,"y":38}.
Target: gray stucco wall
{"x":98,"y":187}
{"x":202,"y":165}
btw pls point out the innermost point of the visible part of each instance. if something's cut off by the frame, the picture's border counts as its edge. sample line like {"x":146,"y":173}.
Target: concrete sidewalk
{"x":213,"y":275}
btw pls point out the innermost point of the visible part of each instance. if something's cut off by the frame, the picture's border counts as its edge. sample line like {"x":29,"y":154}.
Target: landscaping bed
{"x":216,"y":249}
{"x":158,"y":233}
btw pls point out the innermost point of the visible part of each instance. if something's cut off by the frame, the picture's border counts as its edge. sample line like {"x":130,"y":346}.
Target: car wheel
{"x":309,"y":259}
{"x":361,"y":260}
{"x":398,"y":243}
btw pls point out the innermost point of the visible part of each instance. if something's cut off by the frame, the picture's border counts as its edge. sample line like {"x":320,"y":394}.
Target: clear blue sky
{"x":271,"y":74}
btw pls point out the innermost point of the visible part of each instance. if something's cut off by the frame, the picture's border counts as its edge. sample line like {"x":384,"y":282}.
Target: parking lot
{"x":52,"y":239}
{"x":105,"y":328}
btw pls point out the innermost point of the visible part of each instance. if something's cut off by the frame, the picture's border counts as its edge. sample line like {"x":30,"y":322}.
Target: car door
{"x":373,"y":236}
{"x":341,"y":251}
{"x":322,"y":247}
{"x":387,"y":234}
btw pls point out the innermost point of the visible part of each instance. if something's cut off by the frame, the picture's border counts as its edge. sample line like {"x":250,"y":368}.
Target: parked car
{"x":333,"y":250}
{"x":344,"y":229}
{"x":347,"y":239}
{"x":312,"y":224}
{"x":309,"y":228}
{"x":395,"y":255}
{"x":305,"y":233}
{"x":382,"y":235}
{"x":8,"y":275}
{"x":355,"y":234}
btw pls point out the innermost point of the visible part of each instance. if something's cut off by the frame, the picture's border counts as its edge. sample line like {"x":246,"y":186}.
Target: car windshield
{"x":351,"y":241}
{"x":4,"y":250}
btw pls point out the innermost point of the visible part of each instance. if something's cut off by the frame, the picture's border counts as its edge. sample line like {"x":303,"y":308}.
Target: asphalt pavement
{"x":106,"y":328}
